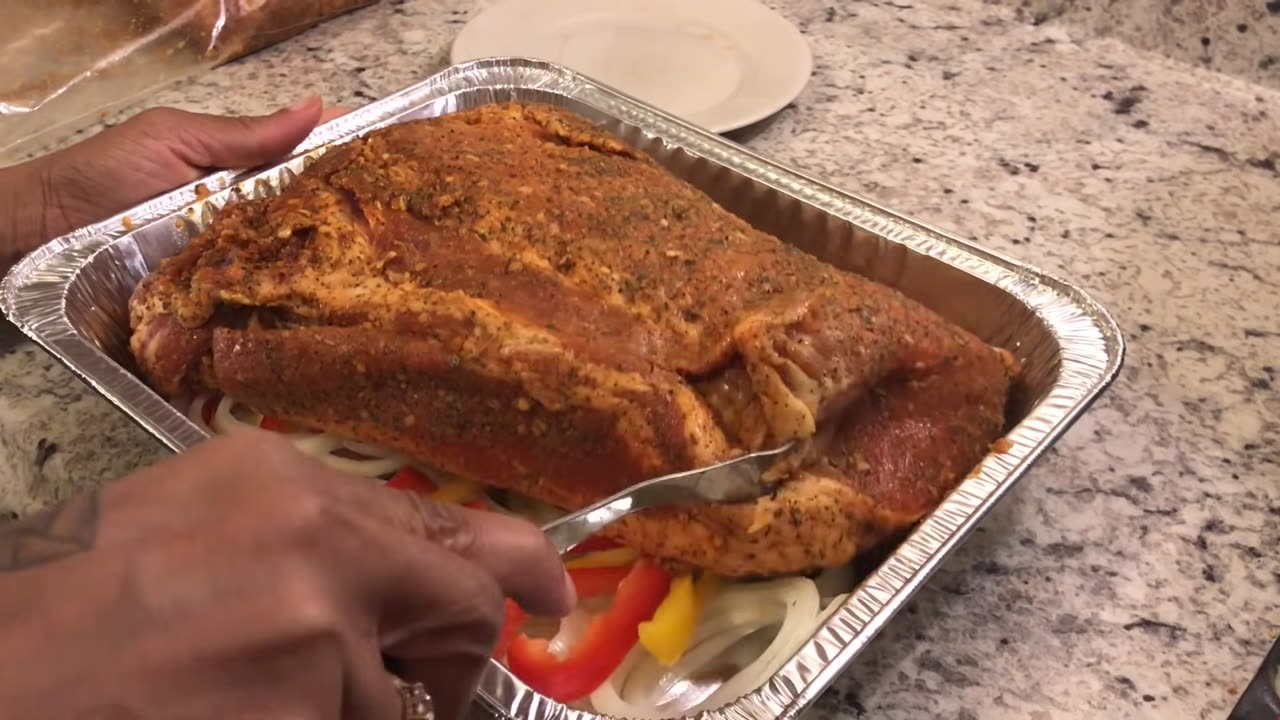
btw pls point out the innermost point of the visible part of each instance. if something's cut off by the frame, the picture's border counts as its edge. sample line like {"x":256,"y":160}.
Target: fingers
{"x":153,"y":152}
{"x":513,"y":551}
{"x":212,"y":141}
{"x":305,"y":578}
{"x":424,"y":582}
{"x":452,"y":685}
{"x":448,"y":658}
{"x":523,"y":561}
{"x":207,"y":142}
{"x":370,"y":693}
{"x":439,"y":621}
{"x":333,"y":113}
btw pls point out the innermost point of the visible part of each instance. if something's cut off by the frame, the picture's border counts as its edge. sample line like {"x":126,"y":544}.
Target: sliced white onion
{"x":572,"y":627}
{"x":318,"y":445}
{"x":373,"y":467}
{"x":744,"y":652}
{"x":225,"y":420}
{"x":674,"y":689}
{"x":802,"y":603}
{"x":539,"y":513}
{"x":606,"y":700}
{"x":833,"y":605}
{"x":644,"y":690}
{"x":372,"y":451}
{"x":195,"y":413}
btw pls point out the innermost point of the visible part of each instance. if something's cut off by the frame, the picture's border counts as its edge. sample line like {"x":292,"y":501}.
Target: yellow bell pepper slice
{"x":667,"y":635}
{"x":456,"y":491}
{"x":615,"y":557}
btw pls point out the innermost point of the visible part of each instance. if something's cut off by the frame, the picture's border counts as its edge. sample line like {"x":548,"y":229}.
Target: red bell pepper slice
{"x":594,"y":543}
{"x":510,"y":628}
{"x":411,"y":479}
{"x":275,"y":424}
{"x":607,"y":640}
{"x":587,"y":582}
{"x":592,"y":582}
{"x":210,"y":407}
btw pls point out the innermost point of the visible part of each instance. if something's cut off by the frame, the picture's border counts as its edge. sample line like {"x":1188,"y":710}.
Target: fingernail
{"x":570,"y":593}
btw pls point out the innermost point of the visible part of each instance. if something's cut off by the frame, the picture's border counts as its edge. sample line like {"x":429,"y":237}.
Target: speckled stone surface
{"x":1239,"y":37}
{"x":1136,"y":571}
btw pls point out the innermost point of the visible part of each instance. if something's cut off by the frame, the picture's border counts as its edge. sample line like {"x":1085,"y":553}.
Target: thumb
{"x":212,"y":141}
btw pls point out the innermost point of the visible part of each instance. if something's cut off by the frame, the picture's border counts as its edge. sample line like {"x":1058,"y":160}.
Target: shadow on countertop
{"x":1261,"y":699}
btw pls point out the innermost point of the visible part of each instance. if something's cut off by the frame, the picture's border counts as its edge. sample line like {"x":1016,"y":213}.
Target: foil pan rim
{"x":34,"y":296}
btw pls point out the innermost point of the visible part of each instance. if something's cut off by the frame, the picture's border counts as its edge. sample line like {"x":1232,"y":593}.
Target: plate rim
{"x":803,"y":57}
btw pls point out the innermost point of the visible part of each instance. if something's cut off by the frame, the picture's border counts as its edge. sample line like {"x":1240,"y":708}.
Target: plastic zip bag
{"x":67,"y":63}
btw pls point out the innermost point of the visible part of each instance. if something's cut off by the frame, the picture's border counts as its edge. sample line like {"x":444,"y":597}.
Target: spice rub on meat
{"x":518,"y":298}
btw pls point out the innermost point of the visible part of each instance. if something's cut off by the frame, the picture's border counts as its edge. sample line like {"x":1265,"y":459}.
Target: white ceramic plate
{"x":721,"y":64}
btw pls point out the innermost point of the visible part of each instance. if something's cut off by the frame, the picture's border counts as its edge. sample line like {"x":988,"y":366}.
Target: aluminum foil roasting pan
{"x":71,"y":297}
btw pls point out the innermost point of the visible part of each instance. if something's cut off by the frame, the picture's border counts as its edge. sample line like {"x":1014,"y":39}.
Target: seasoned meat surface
{"x":516,"y":297}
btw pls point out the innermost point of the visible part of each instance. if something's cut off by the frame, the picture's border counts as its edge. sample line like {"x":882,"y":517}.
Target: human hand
{"x":149,"y":154}
{"x":245,"y":580}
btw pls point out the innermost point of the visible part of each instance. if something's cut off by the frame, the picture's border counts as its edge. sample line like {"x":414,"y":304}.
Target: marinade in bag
{"x":66,"y":63}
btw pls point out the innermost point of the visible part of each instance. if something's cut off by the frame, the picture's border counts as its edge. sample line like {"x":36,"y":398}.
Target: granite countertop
{"x":1239,"y":37}
{"x":1135,"y":572}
